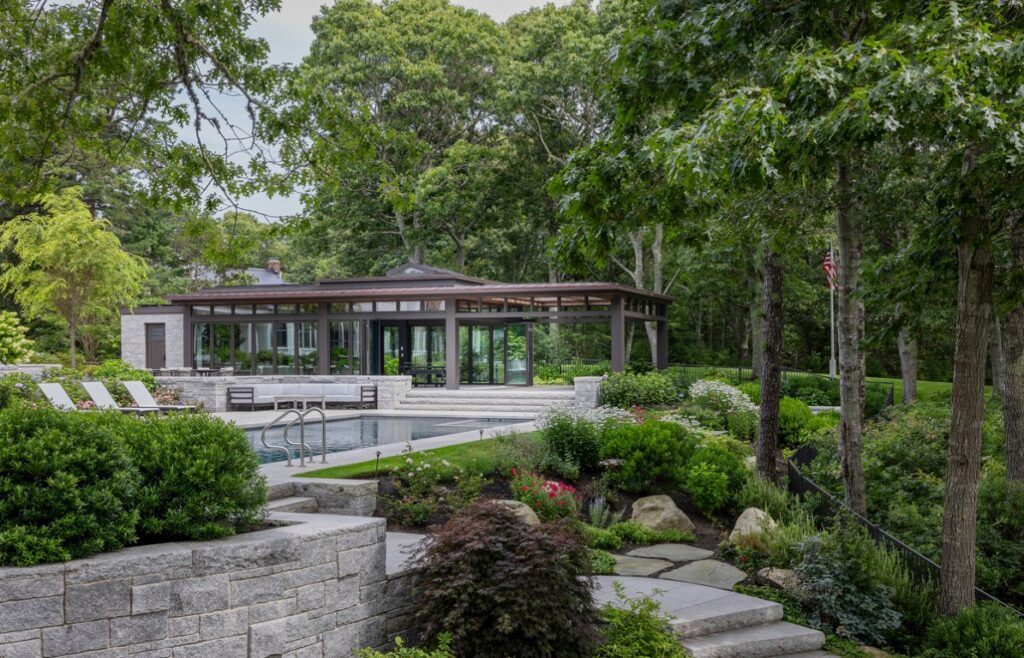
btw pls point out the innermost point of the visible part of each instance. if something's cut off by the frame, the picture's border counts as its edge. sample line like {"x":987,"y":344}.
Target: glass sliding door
{"x":307,"y":343}
{"x":498,"y":355}
{"x":242,"y":361}
{"x":516,"y":354}
{"x":285,"y":348}
{"x":202,"y":344}
{"x":391,"y":349}
{"x":264,"y":339}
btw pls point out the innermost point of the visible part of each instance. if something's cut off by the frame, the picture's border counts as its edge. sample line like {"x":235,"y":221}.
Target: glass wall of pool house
{"x":440,"y":327}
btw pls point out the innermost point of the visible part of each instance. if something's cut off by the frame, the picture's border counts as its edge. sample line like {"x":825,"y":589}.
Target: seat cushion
{"x":311,"y":389}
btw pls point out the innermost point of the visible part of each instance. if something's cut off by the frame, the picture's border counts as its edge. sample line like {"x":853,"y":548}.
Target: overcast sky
{"x":289,"y":37}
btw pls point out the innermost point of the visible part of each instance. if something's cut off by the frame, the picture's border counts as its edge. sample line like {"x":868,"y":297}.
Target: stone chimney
{"x":274,"y":265}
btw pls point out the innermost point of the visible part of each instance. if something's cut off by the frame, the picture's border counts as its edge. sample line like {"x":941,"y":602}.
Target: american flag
{"x":829,"y":266}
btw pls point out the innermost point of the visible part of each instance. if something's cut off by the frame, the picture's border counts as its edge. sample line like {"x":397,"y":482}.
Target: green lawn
{"x":925,"y":389}
{"x":477,"y":456}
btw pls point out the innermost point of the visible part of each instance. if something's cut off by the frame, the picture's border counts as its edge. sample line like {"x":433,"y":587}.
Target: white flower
{"x":445,"y":462}
{"x":597,"y":416}
{"x":733,"y":397}
{"x":426,"y":465}
{"x":408,"y":460}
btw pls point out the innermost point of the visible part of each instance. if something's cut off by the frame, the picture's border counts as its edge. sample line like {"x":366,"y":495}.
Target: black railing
{"x":828,"y":506}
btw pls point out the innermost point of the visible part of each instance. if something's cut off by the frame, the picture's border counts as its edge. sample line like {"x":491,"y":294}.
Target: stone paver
{"x":638,"y":566}
{"x":672,"y":552}
{"x":707,"y":572}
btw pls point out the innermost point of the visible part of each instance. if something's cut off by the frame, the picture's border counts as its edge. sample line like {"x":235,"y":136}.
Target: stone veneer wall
{"x":212,"y":392}
{"x":33,"y":370}
{"x":133,"y":338}
{"x":316,"y":587}
{"x":587,"y":391}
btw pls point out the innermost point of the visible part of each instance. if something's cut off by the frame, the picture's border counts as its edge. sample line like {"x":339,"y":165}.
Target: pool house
{"x":440,"y":327}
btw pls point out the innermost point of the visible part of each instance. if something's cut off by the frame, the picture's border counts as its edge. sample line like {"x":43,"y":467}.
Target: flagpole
{"x":832,"y":370}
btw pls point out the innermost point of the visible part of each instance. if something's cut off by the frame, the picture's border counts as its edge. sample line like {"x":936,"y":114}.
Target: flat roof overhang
{"x":323,"y":293}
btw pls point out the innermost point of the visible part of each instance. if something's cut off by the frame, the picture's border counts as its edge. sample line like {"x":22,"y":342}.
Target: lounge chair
{"x":145,"y":400}
{"x":58,"y":397}
{"x":104,"y":400}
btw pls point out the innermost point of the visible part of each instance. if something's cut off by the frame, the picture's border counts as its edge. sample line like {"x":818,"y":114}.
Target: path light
{"x":376,"y":466}
{"x":481,"y":432}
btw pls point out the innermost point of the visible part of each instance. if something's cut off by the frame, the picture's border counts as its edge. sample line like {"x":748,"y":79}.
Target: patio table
{"x":305,"y":400}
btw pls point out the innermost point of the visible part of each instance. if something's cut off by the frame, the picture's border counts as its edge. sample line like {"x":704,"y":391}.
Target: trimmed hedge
{"x":626,"y":389}
{"x":75,"y":484}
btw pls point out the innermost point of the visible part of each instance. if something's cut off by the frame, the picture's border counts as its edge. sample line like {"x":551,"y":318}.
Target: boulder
{"x":752,"y":521}
{"x":782,"y":578}
{"x":660,"y":513}
{"x":521,"y":511}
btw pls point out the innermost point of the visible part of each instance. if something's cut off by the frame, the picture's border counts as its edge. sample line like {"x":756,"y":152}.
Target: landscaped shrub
{"x":443,"y":649}
{"x":634,"y":533}
{"x":793,"y":416}
{"x":201,"y":478}
{"x":826,"y":420}
{"x":842,"y":589}
{"x":14,"y":346}
{"x":573,"y":439}
{"x":636,"y":628}
{"x":651,"y":456}
{"x":601,"y":514}
{"x":720,"y":397}
{"x":987,"y":630}
{"x":68,"y":488}
{"x":425,"y":486}
{"x":16,"y":387}
{"x":504,"y":588}
{"x":601,"y":538}
{"x":626,"y":389}
{"x":713,"y":475}
{"x":550,"y":499}
{"x":742,"y":425}
{"x":602,"y":563}
{"x":691,"y":414}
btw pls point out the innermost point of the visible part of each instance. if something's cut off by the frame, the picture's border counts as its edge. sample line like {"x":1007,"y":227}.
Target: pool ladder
{"x":300,"y":418}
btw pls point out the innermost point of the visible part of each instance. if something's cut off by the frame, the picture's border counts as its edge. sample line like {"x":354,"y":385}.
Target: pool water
{"x":352,"y":433}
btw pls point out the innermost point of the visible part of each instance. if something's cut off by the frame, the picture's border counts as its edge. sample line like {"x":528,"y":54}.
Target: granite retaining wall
{"x":314,"y":587}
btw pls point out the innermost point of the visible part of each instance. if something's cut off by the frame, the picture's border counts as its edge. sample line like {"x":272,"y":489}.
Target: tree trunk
{"x":771,"y":368}
{"x":995,"y":357}
{"x":1013,"y":366}
{"x":973,"y":319}
{"x":851,"y":336}
{"x":907,"y":345}
{"x":651,"y":328}
{"x":1013,"y":393}
{"x":72,"y":339}
{"x":757,"y":336}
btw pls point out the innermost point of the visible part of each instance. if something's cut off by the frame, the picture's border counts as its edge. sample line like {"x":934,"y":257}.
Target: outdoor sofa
{"x":275,"y":395}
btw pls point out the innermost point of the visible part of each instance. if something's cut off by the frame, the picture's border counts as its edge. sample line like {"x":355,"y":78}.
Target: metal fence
{"x":828,"y":506}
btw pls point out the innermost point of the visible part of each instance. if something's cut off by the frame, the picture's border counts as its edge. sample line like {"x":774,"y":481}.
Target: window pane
{"x":200,"y":310}
{"x":221,"y":346}
{"x":201,"y":345}
{"x":386,"y":307}
{"x":362,"y":307}
{"x":287,"y":308}
{"x":264,"y":348}
{"x":433,"y":305}
{"x":243,"y":309}
{"x":340,"y":308}
{"x":222,"y":309}
{"x":341,"y":348}
{"x":264,"y":309}
{"x":284,"y":344}
{"x":308,"y":348}
{"x":409,"y":306}
{"x":309,"y":308}
{"x":243,"y":349}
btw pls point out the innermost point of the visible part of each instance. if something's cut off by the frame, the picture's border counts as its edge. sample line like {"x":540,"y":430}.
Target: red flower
{"x":523,"y":488}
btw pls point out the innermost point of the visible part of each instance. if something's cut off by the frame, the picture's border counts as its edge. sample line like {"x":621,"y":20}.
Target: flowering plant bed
{"x":550,"y":499}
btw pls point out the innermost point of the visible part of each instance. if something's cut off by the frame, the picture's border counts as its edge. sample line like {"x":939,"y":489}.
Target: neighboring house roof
{"x":261,"y":275}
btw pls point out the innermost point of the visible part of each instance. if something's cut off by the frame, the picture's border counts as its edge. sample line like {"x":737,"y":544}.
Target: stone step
{"x":809,"y":654}
{"x":304,"y":504}
{"x":486,"y":409}
{"x":446,"y":402}
{"x":278,"y":490}
{"x":763,"y":641}
{"x":501,"y":394}
{"x":731,"y":612}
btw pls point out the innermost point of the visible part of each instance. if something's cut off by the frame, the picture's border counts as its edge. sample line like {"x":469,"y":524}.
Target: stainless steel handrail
{"x":300,"y":444}
{"x":323,"y":433}
{"x":263,"y":434}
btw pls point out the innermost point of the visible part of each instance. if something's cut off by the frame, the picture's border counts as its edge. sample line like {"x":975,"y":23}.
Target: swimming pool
{"x":352,"y":433}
